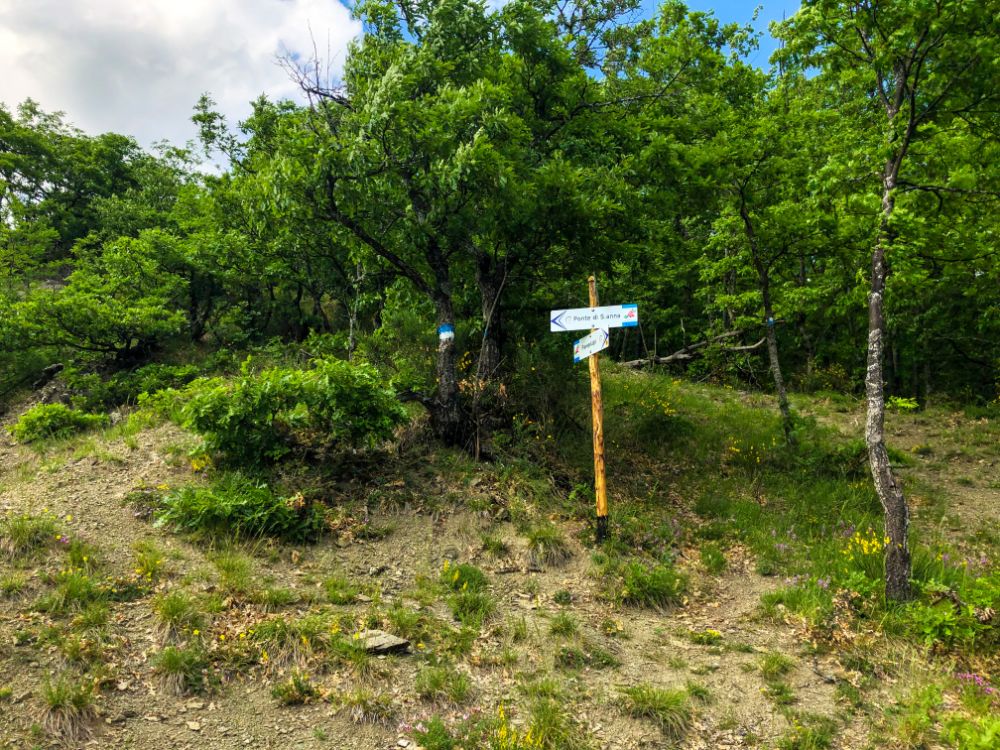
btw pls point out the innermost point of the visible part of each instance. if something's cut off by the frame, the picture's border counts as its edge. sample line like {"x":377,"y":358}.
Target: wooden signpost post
{"x":599,"y":320}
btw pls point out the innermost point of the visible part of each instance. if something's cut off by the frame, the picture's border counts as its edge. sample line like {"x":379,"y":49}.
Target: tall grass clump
{"x":68,"y":708}
{"x":239,"y":507}
{"x":669,"y":709}
{"x":657,"y":586}
{"x":182,"y":669}
{"x":25,"y":535}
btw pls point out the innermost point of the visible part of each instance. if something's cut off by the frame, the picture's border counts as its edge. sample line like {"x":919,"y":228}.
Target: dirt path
{"x":86,"y":492}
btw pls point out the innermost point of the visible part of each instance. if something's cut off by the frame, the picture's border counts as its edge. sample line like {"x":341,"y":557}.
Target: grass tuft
{"x":179,"y":614}
{"x":182,"y":670}
{"x":25,"y":535}
{"x":296,"y":690}
{"x":563,"y":624}
{"x":366,"y":707}
{"x":69,"y":708}
{"x":340,"y":590}
{"x":657,"y":586}
{"x":442,"y":683}
{"x":774,"y":665}
{"x":548,"y":545}
{"x":669,"y":709}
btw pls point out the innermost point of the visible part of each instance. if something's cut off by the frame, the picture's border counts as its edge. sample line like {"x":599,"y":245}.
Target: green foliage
{"x":973,"y":734}
{"x":261,"y":417}
{"x":236,"y":506}
{"x":53,"y":422}
{"x":901,"y":404}
{"x":91,"y":391}
{"x":713,"y":558}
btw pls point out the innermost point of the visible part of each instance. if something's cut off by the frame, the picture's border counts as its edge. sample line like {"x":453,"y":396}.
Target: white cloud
{"x":139,"y":66}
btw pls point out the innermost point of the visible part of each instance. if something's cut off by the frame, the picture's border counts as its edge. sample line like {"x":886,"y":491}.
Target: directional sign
{"x":582,"y":318}
{"x":590,"y":344}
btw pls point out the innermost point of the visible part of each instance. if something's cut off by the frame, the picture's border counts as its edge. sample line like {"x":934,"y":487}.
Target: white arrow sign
{"x":582,"y":318}
{"x":590,"y":344}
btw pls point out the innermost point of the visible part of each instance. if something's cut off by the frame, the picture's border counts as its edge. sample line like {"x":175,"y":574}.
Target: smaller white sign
{"x":590,"y":344}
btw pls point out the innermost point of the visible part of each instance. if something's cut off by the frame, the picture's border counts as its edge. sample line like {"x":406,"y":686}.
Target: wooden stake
{"x":597,"y":407}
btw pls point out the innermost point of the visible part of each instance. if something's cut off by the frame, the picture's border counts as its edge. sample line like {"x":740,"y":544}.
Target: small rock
{"x":194,"y":726}
{"x":403,"y":743}
{"x":380,"y":642}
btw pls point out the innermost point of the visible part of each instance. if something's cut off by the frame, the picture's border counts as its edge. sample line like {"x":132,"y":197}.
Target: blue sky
{"x":742,"y":12}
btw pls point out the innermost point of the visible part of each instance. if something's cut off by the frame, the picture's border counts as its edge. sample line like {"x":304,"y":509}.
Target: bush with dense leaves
{"x":265,"y":416}
{"x":92,"y":391}
{"x":238,"y":507}
{"x":47,"y":421}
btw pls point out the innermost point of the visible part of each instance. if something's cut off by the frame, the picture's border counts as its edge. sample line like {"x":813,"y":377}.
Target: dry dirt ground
{"x":952,"y":471}
{"x":85,"y":487}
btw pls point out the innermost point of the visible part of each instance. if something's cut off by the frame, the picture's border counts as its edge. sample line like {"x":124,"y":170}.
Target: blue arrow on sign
{"x":556,"y":321}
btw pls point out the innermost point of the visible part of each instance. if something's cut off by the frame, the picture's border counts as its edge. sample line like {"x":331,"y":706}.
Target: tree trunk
{"x":764,"y":279}
{"x":890,"y":492}
{"x":490,"y":283}
{"x":446,"y":409}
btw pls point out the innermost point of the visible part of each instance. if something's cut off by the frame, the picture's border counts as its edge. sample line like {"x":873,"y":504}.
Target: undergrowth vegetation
{"x":804,"y":518}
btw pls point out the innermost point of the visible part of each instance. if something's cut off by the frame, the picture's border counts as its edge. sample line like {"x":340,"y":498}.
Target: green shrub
{"x":53,"y":421}
{"x":91,"y":391}
{"x":901,"y":404}
{"x":236,"y":506}
{"x":265,"y":416}
{"x":973,"y":734}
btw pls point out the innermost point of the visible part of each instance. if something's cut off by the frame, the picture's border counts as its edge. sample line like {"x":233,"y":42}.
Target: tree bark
{"x":446,"y":411}
{"x":764,"y":279}
{"x":890,"y":492}
{"x":490,"y":283}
